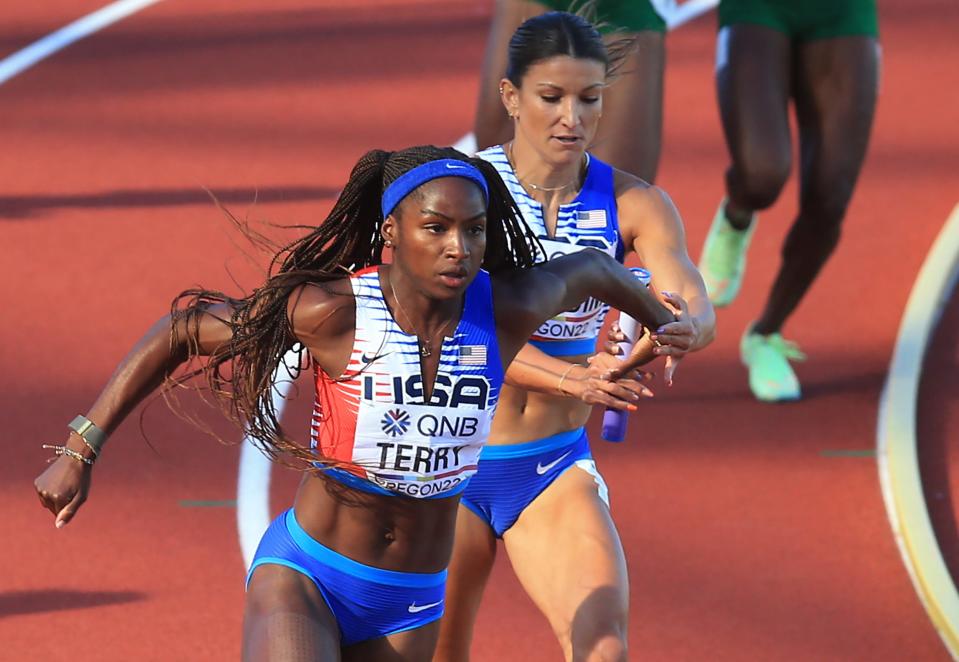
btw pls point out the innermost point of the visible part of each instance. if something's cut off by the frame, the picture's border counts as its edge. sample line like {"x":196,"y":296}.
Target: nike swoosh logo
{"x":415,"y":608}
{"x":366,"y":357}
{"x":455,"y":167}
{"x":543,"y":468}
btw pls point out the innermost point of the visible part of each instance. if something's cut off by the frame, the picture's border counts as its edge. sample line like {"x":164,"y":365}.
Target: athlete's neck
{"x":539,"y":175}
{"x":426,"y":315}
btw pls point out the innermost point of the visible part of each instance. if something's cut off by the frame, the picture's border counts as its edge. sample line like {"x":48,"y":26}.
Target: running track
{"x":752,"y":532}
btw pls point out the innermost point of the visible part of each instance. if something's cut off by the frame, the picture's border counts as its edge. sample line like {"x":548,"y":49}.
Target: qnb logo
{"x":395,"y":422}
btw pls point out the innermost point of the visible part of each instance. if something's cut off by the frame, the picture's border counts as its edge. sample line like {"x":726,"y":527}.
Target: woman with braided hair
{"x":408,"y":359}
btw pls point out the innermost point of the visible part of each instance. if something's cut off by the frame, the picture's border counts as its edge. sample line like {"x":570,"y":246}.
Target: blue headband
{"x":403,"y":185}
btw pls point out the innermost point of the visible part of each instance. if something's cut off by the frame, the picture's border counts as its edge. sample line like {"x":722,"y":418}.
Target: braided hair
{"x":348,"y":239}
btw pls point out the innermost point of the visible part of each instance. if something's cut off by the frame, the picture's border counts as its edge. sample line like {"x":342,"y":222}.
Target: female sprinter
{"x":537,"y":487}
{"x":408,"y":365}
{"x":823,"y":55}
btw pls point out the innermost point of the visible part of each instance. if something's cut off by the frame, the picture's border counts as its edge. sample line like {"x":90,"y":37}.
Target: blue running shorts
{"x":367,"y":602}
{"x":511,"y":476}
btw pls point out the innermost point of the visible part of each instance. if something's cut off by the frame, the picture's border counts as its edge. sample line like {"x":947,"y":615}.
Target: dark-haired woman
{"x":630,"y":136}
{"x":537,"y":486}
{"x":408,"y":364}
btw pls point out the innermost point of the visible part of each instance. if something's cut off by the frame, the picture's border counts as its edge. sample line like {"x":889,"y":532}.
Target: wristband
{"x":88,"y":431}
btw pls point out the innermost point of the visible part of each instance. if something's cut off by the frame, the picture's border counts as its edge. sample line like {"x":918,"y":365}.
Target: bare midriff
{"x":523,"y":416}
{"x":390,"y":532}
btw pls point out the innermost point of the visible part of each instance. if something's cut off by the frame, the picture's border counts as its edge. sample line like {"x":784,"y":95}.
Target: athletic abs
{"x":523,"y":416}
{"x":588,"y":221}
{"x":389,"y":532}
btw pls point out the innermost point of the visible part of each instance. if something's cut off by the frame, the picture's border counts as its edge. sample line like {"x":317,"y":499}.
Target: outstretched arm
{"x":524,"y":299}
{"x":64,"y":485}
{"x":651,"y":226}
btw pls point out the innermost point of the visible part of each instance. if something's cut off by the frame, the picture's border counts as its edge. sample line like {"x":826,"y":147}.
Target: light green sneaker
{"x":723,"y":261}
{"x":771,"y":378}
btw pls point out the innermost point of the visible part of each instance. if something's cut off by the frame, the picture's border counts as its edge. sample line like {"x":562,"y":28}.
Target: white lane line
{"x":676,"y":14}
{"x":896,"y":437}
{"x":253,"y":509}
{"x":25,"y":58}
{"x":253,"y":484}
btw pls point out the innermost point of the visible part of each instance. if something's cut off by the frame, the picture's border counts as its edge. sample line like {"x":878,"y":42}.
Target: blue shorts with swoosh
{"x":511,"y":476}
{"x":367,"y":602}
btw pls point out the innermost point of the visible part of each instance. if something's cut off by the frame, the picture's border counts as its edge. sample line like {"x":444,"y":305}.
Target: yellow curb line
{"x":896,"y":437}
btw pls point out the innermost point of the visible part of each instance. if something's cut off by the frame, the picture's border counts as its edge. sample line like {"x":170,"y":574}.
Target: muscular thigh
{"x":753,"y":76}
{"x":474,"y":552}
{"x":629,"y":133}
{"x":566,"y":552}
{"x":286,"y":619}
{"x":410,"y":646}
{"x":836,"y":88}
{"x":492,"y":125}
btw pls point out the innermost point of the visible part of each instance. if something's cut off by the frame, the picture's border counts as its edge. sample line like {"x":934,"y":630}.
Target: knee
{"x":609,"y":648}
{"x":601,"y":639}
{"x":757,"y":183}
{"x":825,"y":205}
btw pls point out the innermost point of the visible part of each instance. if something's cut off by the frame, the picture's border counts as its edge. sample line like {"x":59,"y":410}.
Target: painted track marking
{"x":41,"y":49}
{"x":896,"y":437}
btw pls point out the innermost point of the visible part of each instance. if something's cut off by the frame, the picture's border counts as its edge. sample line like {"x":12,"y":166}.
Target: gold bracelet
{"x":69,"y":452}
{"x":559,"y":386}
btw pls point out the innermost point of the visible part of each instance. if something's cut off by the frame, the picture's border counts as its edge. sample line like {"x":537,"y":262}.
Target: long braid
{"x":349,"y":239}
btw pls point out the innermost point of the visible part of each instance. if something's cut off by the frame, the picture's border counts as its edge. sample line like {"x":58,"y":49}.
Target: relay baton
{"x":614,"y":420}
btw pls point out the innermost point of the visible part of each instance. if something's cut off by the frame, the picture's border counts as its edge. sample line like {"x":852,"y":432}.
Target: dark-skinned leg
{"x":836,"y":86}
{"x":753,"y":85}
{"x":630,"y":132}
{"x":492,"y":126}
{"x":286,"y":619}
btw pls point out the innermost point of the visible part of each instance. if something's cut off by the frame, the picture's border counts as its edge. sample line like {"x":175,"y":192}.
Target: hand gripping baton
{"x":614,"y":420}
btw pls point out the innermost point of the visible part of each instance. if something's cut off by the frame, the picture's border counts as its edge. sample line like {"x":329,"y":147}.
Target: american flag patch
{"x":591,"y":220}
{"x":472,"y":355}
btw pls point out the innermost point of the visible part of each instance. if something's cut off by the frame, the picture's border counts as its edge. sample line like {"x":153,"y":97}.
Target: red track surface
{"x":747,"y":539}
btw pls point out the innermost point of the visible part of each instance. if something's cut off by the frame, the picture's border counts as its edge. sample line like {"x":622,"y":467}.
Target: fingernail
{"x":631,"y":407}
{"x":60,"y":524}
{"x":660,"y":330}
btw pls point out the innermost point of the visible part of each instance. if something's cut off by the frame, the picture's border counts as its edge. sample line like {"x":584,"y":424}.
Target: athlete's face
{"x":558,"y":106}
{"x":439,"y":235}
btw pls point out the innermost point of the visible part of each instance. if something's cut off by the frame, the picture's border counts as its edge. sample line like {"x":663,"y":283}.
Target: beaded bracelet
{"x":69,"y":452}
